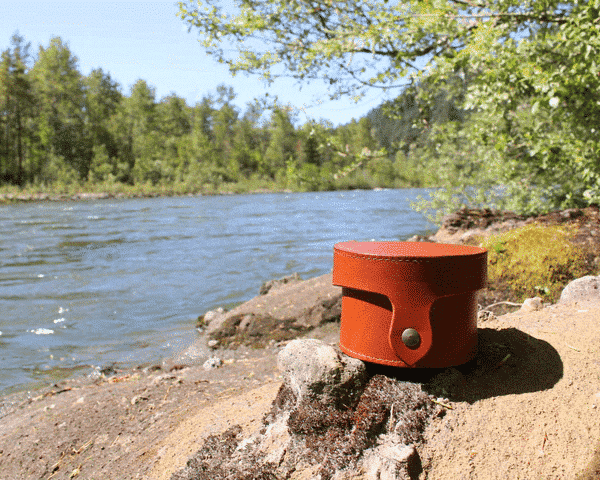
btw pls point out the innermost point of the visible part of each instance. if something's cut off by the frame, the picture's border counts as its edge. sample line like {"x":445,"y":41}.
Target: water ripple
{"x":123,"y":280}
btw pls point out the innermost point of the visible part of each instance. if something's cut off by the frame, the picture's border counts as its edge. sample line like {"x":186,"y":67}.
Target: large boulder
{"x":582,"y":289}
{"x":282,"y":313}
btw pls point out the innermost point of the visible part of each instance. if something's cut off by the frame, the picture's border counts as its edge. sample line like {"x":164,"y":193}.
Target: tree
{"x":535,"y":108}
{"x":174,"y":122}
{"x":140,"y":118}
{"x":173,"y":116}
{"x":17,"y":100}
{"x":310,"y":146}
{"x":140,"y":107}
{"x":282,"y":143}
{"x":339,"y":41}
{"x":246,"y":152}
{"x":60,"y":104}
{"x":528,"y":68}
{"x":102,"y":99}
{"x":223,"y":119}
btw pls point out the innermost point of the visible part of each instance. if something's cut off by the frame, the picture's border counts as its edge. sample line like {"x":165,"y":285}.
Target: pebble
{"x":532,"y":305}
{"x":163,"y":378}
{"x":212,"y":362}
{"x":485,"y":316}
{"x":212,"y":314}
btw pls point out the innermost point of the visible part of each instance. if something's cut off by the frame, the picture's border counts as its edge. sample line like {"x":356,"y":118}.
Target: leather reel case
{"x":409,"y":304}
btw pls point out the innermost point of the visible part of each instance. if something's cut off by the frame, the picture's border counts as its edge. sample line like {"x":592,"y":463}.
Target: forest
{"x":499,"y":106}
{"x":62,"y":130}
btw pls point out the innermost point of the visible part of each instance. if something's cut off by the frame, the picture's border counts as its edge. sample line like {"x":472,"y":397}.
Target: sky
{"x":144,"y":39}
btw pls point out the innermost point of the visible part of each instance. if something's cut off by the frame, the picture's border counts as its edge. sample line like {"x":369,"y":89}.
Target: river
{"x":87,"y":284}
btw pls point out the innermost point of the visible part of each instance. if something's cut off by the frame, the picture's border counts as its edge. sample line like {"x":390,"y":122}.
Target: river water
{"x":87,"y":284}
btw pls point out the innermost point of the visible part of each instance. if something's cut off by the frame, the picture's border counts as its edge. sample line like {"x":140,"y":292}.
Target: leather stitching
{"x":382,"y":259}
{"x":375,"y":358}
{"x":393,"y":260}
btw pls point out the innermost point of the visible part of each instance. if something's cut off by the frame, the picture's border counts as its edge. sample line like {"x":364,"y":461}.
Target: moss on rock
{"x":536,"y":260}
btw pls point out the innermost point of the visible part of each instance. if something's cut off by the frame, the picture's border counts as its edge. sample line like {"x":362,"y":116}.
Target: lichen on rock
{"x":329,"y":420}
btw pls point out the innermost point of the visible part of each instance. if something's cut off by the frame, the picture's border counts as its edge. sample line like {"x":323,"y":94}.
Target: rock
{"x":485,"y":316}
{"x":245,"y":323}
{"x":571,"y":213}
{"x":584,"y":288}
{"x":212,"y":362}
{"x":209,"y":316}
{"x":391,"y":461}
{"x":108,"y":371}
{"x":138,"y":399}
{"x":470,"y":226}
{"x":274,"y":284}
{"x":90,"y":196}
{"x":213,"y":343}
{"x":164,"y":378}
{"x":313,"y":439}
{"x":256,"y":330}
{"x":275,"y":441}
{"x":419,"y":238}
{"x":282,"y":314}
{"x":470,"y":237}
{"x":532,"y":305}
{"x":317,"y":371}
{"x":452,"y":221}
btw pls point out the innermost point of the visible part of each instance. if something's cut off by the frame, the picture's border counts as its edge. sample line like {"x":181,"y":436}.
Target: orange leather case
{"x":389,"y":287}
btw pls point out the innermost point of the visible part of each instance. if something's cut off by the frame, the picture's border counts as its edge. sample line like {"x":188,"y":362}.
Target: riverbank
{"x":525,"y":409}
{"x":528,"y":411}
{"x":121,"y":192}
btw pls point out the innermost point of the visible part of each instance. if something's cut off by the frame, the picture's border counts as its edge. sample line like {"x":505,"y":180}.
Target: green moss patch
{"x":536,"y":260}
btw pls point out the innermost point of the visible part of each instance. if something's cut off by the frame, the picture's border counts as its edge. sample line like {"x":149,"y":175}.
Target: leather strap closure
{"x":412,"y":284}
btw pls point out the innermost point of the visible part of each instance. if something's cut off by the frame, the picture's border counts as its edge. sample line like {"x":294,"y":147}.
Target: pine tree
{"x":17,"y":102}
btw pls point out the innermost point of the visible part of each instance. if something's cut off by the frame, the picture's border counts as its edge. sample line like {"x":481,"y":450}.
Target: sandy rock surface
{"x":540,"y":416}
{"x":526,"y":408}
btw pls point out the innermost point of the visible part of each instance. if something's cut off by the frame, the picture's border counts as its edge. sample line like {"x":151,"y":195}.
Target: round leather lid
{"x":408,"y":250}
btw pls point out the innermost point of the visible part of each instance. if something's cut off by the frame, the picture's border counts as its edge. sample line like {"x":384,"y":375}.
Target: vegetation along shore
{"x":484,"y":114}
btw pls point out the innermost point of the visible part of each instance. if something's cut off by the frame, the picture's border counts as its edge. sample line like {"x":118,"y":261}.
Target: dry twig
{"x":442,"y":404}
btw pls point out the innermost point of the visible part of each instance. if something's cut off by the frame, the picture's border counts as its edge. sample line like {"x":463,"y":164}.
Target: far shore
{"x":88,"y":191}
{"x":6,"y":198}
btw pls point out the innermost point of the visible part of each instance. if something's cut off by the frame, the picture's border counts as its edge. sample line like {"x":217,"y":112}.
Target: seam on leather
{"x":400,"y":260}
{"x":399,"y":362}
{"x":383,"y":259}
